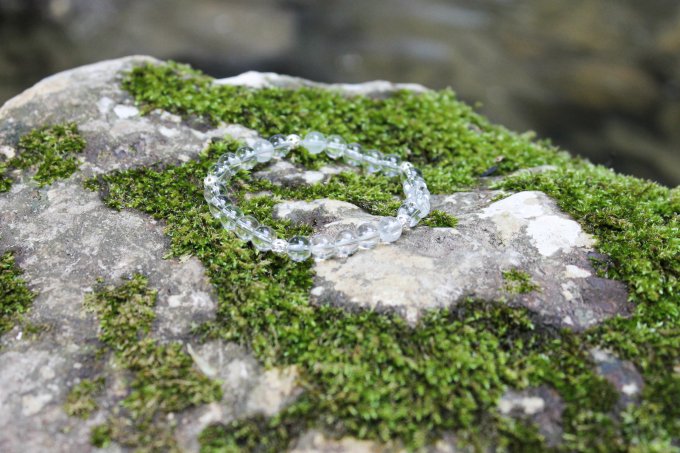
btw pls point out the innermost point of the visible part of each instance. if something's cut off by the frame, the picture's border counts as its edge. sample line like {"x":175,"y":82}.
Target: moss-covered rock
{"x":487,"y":366}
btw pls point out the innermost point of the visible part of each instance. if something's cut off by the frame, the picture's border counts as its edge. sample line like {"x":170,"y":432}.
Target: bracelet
{"x":388,"y":229}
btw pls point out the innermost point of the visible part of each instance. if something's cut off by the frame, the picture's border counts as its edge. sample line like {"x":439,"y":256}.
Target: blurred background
{"x":601,"y":78}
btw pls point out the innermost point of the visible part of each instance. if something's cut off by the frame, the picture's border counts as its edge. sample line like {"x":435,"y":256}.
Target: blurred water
{"x":600,"y":77}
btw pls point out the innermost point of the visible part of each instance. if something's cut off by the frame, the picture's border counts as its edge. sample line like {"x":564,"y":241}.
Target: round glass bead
{"x":263,"y":237}
{"x":216,"y":171}
{"x":391,"y":165}
{"x":408,"y":171}
{"x":423,"y":204}
{"x":415,"y":187}
{"x":210,"y":192}
{"x":264,"y":151}
{"x":372,"y":160}
{"x":281,"y":145}
{"x":335,"y":146}
{"x":214,"y":209}
{"x":279,"y":246}
{"x":210,"y":180}
{"x":229,"y":162}
{"x":229,"y":215}
{"x":246,"y":155}
{"x":245,"y":227}
{"x":314,"y":142}
{"x":410,"y":212}
{"x":293,"y":140}
{"x":322,"y":246}
{"x":216,"y":203}
{"x":368,"y":235}
{"x":346,"y":243}
{"x":353,"y":155}
{"x":389,"y":229}
{"x":299,"y":248}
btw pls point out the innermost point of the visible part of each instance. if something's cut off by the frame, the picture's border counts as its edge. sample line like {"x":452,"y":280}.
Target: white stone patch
{"x":630,"y":389}
{"x":32,"y":404}
{"x":313,"y":177}
{"x":168,"y":132}
{"x":254,"y":79}
{"x":522,"y":205}
{"x":576,"y":272}
{"x":7,"y":151}
{"x":529,"y":405}
{"x":317,"y":291}
{"x":274,"y":388}
{"x":552,"y":233}
{"x":125,"y":111}
{"x":104,"y":105}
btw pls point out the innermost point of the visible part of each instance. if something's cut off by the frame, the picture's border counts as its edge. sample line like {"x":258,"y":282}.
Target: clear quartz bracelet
{"x":415,"y":207}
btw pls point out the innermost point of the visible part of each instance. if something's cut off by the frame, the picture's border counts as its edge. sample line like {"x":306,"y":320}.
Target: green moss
{"x":50,"y":150}
{"x":15,"y":297}
{"x":518,"y":282}
{"x":125,"y":312}
{"x":441,"y":219}
{"x":81,"y":401}
{"x":371,"y":375}
{"x":162,"y":377}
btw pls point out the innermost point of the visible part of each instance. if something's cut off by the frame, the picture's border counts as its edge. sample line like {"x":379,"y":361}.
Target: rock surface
{"x":65,"y":238}
{"x":438,"y":267}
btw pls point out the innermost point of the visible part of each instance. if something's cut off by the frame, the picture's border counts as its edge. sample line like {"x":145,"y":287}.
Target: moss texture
{"x":161,"y":377}
{"x":15,"y":297}
{"x":518,"y":282}
{"x":81,"y":401}
{"x":50,"y":151}
{"x":371,"y":375}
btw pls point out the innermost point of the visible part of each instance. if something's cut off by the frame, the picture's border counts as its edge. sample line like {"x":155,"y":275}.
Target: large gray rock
{"x":65,"y":238}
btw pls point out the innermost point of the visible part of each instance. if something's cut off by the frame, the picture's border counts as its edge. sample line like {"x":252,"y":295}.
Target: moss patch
{"x":162,"y":378}
{"x":518,"y":282}
{"x":51,"y":151}
{"x":15,"y":297}
{"x":81,"y":400}
{"x":371,"y":375}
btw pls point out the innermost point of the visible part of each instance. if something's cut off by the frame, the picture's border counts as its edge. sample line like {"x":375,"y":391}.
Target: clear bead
{"x":389,"y":229}
{"x":346,"y":243}
{"x":210,"y":180}
{"x":299,"y":248}
{"x":281,"y":145}
{"x":408,"y":171}
{"x":245,"y":227}
{"x":279,"y":246}
{"x":368,"y":235}
{"x":335,"y":146}
{"x":322,"y":246}
{"x":294,"y":140}
{"x":353,"y":155}
{"x":314,"y":142}
{"x":216,"y":203}
{"x":423,"y":204}
{"x":391,"y":164}
{"x":263,"y":237}
{"x":415,"y":188}
{"x":214,"y":209}
{"x":410,"y":212}
{"x":246,"y":155}
{"x":264,"y":151}
{"x":229,"y":161}
{"x":216,"y":170}
{"x":372,"y":160}
{"x":210,"y":192}
{"x":229,"y":215}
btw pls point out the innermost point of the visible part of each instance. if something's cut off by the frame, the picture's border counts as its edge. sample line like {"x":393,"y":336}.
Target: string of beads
{"x":415,"y":207}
